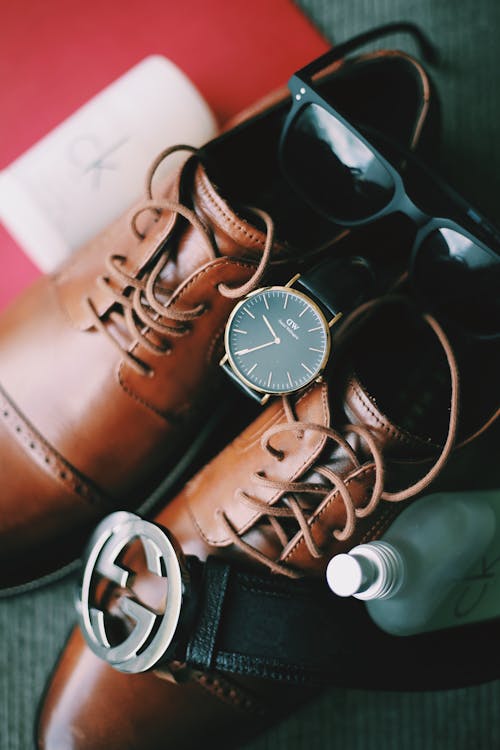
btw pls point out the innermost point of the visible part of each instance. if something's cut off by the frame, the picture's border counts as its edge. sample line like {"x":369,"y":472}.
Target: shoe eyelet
{"x":276,"y":453}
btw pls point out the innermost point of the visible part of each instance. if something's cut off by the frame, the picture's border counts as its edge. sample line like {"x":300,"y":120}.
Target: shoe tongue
{"x":396,"y":381}
{"x":361,"y":408}
{"x":233,"y":234}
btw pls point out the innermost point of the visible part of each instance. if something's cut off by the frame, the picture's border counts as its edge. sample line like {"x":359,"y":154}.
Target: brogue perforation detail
{"x":46,"y":456}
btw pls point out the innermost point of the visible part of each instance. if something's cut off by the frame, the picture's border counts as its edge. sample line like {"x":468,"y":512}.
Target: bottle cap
{"x":346,"y":574}
{"x":370,"y":571}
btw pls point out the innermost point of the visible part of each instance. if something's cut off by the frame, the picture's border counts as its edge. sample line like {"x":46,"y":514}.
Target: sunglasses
{"x":454,"y":269}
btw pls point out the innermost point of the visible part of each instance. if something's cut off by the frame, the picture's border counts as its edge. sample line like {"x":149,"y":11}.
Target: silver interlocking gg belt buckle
{"x":152,"y":634}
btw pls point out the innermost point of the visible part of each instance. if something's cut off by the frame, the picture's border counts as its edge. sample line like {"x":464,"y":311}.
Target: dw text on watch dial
{"x":277,"y":340}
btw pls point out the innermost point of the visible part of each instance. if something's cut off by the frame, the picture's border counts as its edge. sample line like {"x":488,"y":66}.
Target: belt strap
{"x":263,"y":625}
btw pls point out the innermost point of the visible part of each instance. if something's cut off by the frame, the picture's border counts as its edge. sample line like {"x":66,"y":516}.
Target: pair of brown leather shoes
{"x":109,"y":367}
{"x":109,"y":371}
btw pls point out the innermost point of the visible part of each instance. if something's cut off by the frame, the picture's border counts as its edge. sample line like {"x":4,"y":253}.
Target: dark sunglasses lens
{"x":460,"y":278}
{"x":333,"y":169}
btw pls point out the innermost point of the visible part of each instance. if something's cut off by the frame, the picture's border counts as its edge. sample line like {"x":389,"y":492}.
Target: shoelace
{"x":298,"y":499}
{"x":146,"y":303}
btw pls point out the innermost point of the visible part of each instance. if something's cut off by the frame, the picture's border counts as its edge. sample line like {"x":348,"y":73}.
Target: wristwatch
{"x":215,"y":614}
{"x":277,"y":338}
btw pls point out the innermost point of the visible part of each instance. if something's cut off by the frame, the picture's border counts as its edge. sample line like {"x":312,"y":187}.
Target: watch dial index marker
{"x":277,"y":340}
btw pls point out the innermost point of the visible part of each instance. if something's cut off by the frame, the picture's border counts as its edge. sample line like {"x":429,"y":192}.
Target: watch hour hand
{"x":271,"y":329}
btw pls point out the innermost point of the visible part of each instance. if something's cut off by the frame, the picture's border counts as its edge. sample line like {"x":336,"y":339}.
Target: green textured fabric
{"x":33,"y":626}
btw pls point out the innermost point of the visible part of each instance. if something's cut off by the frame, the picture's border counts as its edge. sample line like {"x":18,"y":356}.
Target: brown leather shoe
{"x":108,"y":368}
{"x":289,"y":493}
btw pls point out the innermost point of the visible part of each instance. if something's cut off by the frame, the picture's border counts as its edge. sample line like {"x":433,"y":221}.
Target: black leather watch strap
{"x":256,"y":395}
{"x":339,"y":284}
{"x":267,"y":626}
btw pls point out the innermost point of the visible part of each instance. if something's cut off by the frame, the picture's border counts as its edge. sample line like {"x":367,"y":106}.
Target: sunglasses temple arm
{"x":484,"y":224}
{"x":408,"y":156}
{"x":427,"y":48}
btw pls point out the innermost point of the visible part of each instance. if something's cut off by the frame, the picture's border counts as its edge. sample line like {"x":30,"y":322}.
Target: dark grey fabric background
{"x":33,"y":626}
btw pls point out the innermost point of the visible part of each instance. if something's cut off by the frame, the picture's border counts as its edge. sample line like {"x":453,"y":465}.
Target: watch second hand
{"x":254,"y":349}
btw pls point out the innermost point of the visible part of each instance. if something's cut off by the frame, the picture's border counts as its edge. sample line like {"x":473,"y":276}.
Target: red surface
{"x":56,"y":54}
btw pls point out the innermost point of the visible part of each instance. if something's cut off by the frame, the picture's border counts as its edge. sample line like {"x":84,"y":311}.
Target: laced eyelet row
{"x":136,"y":295}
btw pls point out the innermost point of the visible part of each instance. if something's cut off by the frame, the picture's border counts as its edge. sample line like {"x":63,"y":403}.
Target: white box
{"x":87,"y":171}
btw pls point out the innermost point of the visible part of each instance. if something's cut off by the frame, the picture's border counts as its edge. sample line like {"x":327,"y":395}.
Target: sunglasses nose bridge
{"x":412,"y":211}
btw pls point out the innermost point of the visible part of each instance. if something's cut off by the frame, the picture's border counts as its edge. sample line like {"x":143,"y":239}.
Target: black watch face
{"x":277,"y":340}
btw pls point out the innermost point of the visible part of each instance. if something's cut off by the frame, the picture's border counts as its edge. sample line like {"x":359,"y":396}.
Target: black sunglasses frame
{"x":304,"y":93}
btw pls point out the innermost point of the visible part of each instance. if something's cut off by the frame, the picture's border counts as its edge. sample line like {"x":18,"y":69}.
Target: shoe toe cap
{"x":89,"y":706}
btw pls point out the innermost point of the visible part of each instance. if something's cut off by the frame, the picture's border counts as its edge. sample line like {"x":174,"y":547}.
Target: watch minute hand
{"x":262,"y":346}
